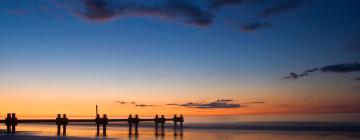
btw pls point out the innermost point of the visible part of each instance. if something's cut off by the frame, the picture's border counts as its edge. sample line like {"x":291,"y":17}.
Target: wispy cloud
{"x":216,"y":4}
{"x":220,"y":103}
{"x":253,"y":26}
{"x":120,"y":102}
{"x":357,"y":79}
{"x":258,"y":102}
{"x":338,"y":68}
{"x":143,"y":105}
{"x":132,"y":103}
{"x":279,"y":8}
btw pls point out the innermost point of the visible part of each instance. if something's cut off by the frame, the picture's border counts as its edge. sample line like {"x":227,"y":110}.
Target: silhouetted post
{"x":13,"y":122}
{"x":58,"y":123}
{"x":156,"y":120}
{"x":181,"y":121}
{"x":130,"y":123}
{"x":175,"y":121}
{"x":97,"y":121}
{"x":163,"y":120}
{"x":136,"y":121}
{"x":8,"y":122}
{"x":105,"y":122}
{"x":64,"y":122}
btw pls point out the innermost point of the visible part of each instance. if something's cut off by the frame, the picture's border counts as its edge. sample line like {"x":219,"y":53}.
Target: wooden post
{"x":64,"y":122}
{"x":181,"y":121}
{"x":58,"y":123}
{"x":136,"y":124}
{"x":105,"y":122}
{"x":97,"y":121}
{"x":156,"y":120}
{"x":130,"y":123}
{"x":162,"y":125}
{"x":175,"y":121}
{"x":8,"y":122}
{"x":13,"y":122}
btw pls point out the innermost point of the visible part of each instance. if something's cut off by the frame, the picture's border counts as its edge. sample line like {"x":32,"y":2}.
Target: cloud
{"x":356,"y":87}
{"x":216,"y":4}
{"x":279,"y":8}
{"x":338,"y":68}
{"x":258,"y":102}
{"x":180,"y":10}
{"x":172,"y":104}
{"x":143,"y":105}
{"x":132,"y":103}
{"x":220,"y":103}
{"x":342,"y":68}
{"x":120,"y":102}
{"x":98,"y":10}
{"x":357,"y":79}
{"x":253,"y":26}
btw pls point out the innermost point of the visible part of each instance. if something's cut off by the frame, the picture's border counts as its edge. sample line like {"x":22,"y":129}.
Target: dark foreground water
{"x":284,"y":127}
{"x":206,"y":131}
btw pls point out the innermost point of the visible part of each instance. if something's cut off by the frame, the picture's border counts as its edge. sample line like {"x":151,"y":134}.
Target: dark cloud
{"x":253,"y":26}
{"x":280,"y":7}
{"x":292,"y":75}
{"x":332,"y":107}
{"x":259,"y":102}
{"x":97,"y":10}
{"x":181,"y":10}
{"x":338,"y":68}
{"x":357,"y":79}
{"x":221,"y":103}
{"x":224,"y":100}
{"x":216,"y":4}
{"x":143,"y":105}
{"x":356,"y":87}
{"x":342,"y":68}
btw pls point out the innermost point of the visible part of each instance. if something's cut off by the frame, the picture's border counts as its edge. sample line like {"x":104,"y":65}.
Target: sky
{"x":194,"y":57}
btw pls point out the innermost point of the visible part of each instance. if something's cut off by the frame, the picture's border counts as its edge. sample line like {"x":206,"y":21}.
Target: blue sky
{"x":42,"y":40}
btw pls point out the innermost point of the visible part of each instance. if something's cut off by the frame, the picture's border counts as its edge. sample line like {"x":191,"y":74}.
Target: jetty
{"x":62,"y":121}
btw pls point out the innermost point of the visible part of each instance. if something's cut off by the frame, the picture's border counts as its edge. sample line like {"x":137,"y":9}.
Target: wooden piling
{"x":13,"y":122}
{"x":58,"y":123}
{"x":104,"y":122}
{"x":64,"y":123}
{"x":136,"y":121}
{"x":8,"y":122}
{"x":130,"y":124}
{"x":181,"y":121}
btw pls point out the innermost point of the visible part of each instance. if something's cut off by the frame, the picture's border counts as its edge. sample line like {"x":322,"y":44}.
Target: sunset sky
{"x":199,"y":57}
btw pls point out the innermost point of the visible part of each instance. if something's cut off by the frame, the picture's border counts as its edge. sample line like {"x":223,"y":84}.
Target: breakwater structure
{"x":62,"y":121}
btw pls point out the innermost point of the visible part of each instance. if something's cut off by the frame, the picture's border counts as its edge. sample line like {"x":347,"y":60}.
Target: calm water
{"x":232,"y":128}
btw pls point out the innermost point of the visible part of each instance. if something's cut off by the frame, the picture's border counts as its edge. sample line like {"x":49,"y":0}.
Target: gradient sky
{"x":206,"y":57}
